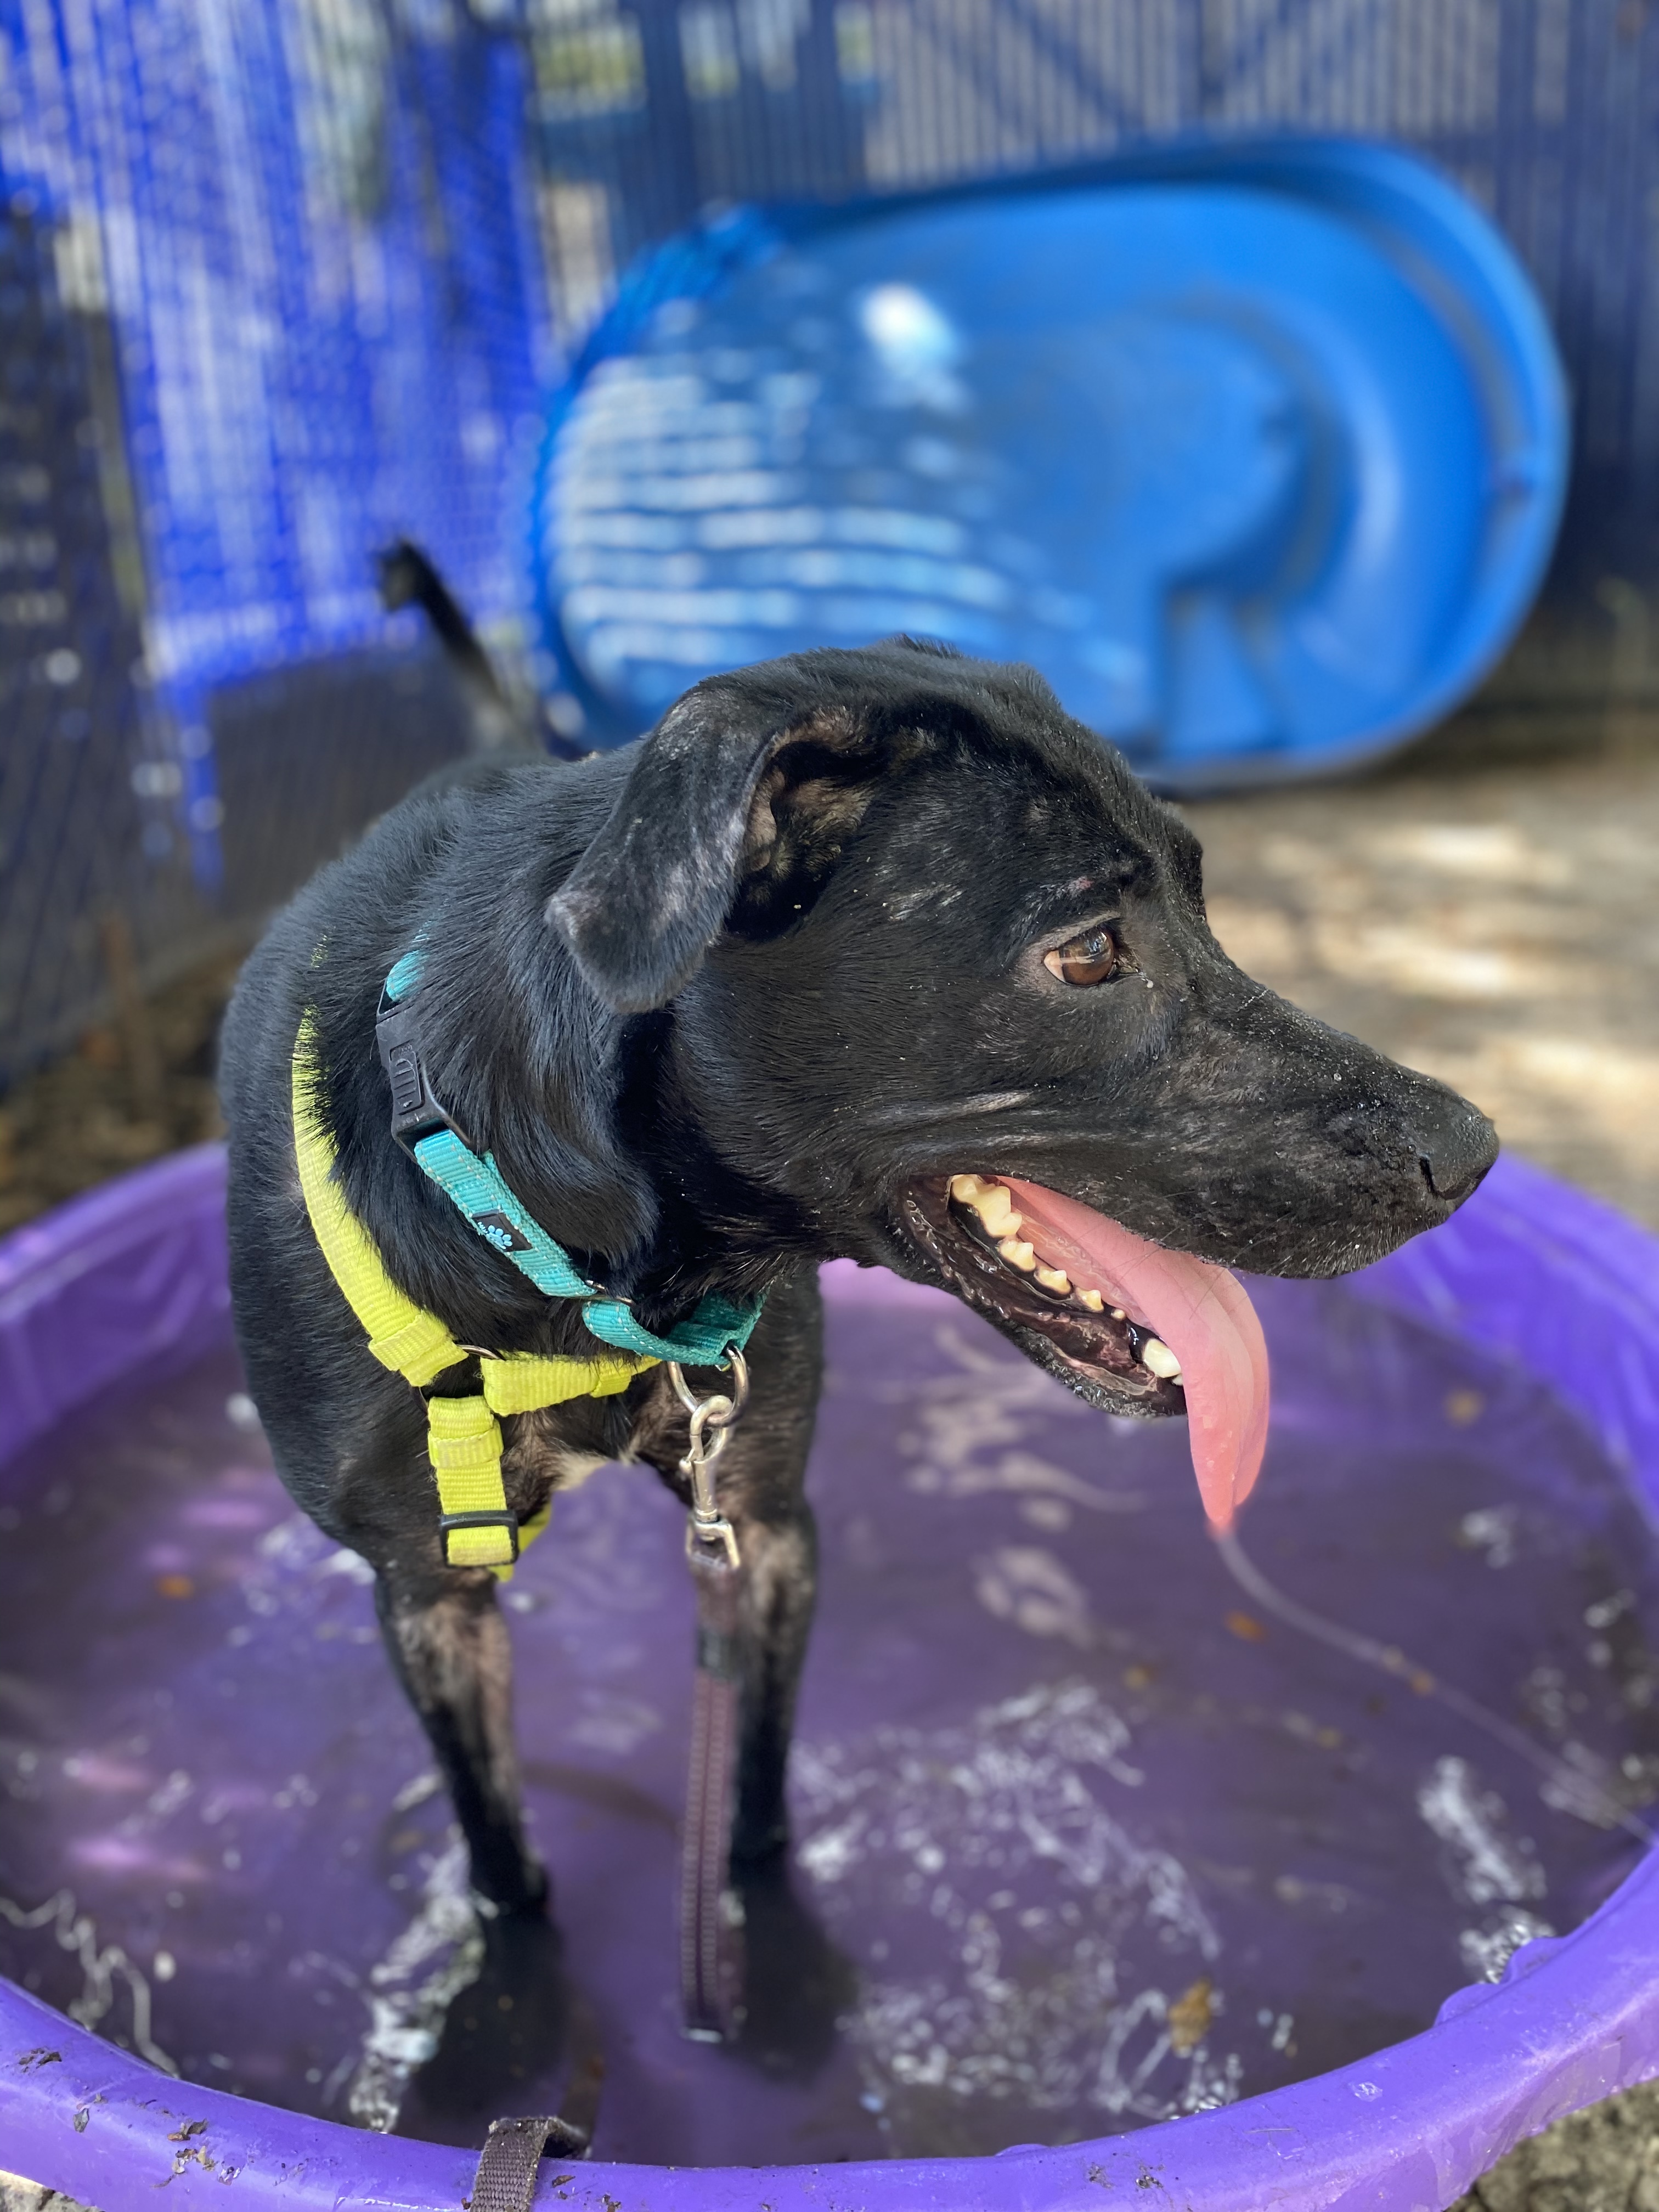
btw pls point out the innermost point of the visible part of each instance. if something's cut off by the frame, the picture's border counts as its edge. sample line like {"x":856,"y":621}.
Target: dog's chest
{"x":540,"y":1454}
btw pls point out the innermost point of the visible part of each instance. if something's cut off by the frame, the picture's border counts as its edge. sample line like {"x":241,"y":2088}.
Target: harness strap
{"x":522,"y":1382}
{"x":402,"y":1335}
{"x":475,"y":1187}
{"x":464,"y":1438}
{"x":463,"y":1443}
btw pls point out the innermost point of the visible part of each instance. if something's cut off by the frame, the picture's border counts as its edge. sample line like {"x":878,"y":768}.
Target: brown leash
{"x":711,"y":1926}
{"x":711,"y":1931}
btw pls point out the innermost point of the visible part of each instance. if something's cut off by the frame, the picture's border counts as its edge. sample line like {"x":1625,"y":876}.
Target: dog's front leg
{"x":449,"y":1645}
{"x":760,"y":1487}
{"x":779,"y":1549}
{"x":760,"y":1481}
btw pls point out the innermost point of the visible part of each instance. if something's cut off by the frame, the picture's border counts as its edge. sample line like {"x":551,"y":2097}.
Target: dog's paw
{"x":523,"y":1893}
{"x":797,"y":1985}
{"x":520,"y":2038}
{"x":757,"y":1846}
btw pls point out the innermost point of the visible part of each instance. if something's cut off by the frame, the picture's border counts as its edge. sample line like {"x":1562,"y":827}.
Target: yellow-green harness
{"x":464,"y":1436}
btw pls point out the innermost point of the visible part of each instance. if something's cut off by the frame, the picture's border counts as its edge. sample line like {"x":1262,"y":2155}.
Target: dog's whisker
{"x":906,"y":1115}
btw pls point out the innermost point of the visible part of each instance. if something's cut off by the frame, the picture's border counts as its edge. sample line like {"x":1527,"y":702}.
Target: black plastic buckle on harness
{"x":507,"y":1520}
{"x":416,"y":1112}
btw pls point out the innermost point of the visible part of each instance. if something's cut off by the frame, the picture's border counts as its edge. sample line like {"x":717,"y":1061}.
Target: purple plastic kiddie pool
{"x":1309,"y":1869}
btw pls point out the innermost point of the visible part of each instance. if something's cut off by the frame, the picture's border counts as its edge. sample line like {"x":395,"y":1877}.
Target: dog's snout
{"x":1455,"y":1146}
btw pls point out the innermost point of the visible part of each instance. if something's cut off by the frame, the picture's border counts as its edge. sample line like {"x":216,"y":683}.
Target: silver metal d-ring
{"x":737,"y":1398}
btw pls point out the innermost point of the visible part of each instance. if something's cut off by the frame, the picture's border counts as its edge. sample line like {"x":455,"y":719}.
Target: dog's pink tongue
{"x":1202,"y":1314}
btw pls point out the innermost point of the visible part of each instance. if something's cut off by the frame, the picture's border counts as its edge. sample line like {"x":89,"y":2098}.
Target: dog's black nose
{"x":1455,"y":1146}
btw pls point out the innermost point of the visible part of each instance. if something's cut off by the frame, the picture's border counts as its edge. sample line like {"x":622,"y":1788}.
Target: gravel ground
{"x":1606,"y":2160}
{"x":1493,"y":922}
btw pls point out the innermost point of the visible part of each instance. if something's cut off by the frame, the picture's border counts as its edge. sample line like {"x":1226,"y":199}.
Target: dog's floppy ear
{"x":652,"y":891}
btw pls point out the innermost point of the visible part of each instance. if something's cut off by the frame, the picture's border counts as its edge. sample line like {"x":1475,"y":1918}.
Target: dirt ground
{"x":1492,"y":919}
{"x":1497,"y":926}
{"x":84,"y":1118}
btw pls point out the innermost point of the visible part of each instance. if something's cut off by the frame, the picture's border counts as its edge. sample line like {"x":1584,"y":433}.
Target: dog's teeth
{"x":1055,"y":1278}
{"x":996,"y":1211}
{"x":1092,"y":1299}
{"x":1118,"y":1314}
{"x":1156,"y":1355}
{"x":1018,"y":1254}
{"x":990,"y":1200}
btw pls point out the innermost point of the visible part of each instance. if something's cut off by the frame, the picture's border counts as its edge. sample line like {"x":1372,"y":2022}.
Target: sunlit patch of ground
{"x":1498,"y":928}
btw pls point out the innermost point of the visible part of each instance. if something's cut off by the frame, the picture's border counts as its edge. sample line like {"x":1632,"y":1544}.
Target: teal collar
{"x":473,"y":1182}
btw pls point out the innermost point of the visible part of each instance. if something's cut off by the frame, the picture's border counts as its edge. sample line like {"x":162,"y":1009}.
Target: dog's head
{"x":944,"y":998}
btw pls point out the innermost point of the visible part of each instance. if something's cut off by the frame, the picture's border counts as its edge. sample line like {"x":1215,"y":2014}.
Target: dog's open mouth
{"x":1133,"y":1326}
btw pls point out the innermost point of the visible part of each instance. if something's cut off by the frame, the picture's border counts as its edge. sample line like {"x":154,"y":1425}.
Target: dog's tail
{"x":503,"y":720}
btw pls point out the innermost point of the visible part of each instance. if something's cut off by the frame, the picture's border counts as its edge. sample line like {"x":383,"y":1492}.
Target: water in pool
{"x":1095,"y":1822}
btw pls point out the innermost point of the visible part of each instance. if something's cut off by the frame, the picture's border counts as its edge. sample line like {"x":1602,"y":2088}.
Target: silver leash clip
{"x":712,"y":1419}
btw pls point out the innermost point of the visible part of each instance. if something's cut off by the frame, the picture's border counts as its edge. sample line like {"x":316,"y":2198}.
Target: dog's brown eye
{"x":1091,"y":958}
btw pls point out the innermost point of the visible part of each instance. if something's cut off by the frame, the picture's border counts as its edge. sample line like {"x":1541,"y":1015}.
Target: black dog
{"x":850,"y":939}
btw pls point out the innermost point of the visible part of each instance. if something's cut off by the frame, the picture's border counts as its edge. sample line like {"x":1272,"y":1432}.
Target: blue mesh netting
{"x":314,"y":234}
{"x":300,"y":235}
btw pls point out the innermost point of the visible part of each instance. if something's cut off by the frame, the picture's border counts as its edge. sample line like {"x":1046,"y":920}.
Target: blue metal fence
{"x":330,"y":254}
